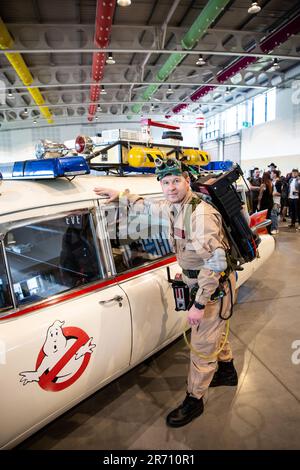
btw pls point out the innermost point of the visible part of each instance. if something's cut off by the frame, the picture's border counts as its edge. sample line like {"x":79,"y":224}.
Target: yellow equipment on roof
{"x":195,"y":157}
{"x":144,"y":156}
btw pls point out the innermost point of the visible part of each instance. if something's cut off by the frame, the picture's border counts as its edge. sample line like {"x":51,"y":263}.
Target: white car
{"x":78,"y":308}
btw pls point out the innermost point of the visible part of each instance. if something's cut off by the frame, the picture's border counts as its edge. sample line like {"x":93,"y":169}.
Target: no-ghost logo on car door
{"x":62,"y":359}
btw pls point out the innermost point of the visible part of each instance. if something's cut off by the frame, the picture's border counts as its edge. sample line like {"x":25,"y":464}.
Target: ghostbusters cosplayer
{"x":200,"y":250}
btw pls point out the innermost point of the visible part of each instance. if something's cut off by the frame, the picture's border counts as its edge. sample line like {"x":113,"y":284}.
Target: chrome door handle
{"x":116,"y":298}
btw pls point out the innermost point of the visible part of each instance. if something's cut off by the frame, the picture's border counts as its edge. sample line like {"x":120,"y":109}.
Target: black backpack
{"x":222,"y":194}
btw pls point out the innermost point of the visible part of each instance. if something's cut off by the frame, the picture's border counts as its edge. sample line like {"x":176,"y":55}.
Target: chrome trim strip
{"x":96,"y":244}
{"x":11,"y":286}
{"x":105,"y":242}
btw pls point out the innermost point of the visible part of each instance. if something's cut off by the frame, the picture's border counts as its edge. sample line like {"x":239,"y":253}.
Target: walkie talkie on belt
{"x":181,"y":295}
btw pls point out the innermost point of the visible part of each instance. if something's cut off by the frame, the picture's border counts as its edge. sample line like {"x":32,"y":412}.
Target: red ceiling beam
{"x":105,"y":10}
{"x":267,"y":45}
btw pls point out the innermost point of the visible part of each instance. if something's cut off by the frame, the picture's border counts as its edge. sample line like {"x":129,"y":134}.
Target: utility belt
{"x":185,"y":296}
{"x":191,"y":273}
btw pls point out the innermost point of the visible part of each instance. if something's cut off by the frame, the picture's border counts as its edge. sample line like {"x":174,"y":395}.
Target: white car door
{"x":140,"y":265}
{"x":64,"y":339}
{"x":155,"y":322}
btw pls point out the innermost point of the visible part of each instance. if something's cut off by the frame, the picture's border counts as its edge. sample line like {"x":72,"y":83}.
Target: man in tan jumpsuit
{"x":198,"y":239}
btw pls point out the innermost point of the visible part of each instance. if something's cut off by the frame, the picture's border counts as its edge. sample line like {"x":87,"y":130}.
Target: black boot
{"x":186,"y":412}
{"x":225,"y":375}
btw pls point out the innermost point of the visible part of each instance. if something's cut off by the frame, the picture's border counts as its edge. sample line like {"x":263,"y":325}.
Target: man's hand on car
{"x":112,"y":194}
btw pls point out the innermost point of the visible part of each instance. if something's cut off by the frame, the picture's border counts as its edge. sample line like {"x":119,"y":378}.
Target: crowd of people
{"x":276,"y":193}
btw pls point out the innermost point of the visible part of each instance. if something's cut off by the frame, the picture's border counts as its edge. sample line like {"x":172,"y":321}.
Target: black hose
{"x":231,"y":303}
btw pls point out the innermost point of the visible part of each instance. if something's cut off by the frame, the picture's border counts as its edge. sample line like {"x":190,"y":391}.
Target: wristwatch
{"x":199,"y":306}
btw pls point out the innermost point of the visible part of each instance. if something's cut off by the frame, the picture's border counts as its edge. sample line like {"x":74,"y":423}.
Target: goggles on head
{"x":167,"y":167}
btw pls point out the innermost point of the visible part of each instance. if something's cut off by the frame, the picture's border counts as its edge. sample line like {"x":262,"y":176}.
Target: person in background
{"x":284,"y":201}
{"x":277,"y":184}
{"x":255,"y":182}
{"x":272,"y":167}
{"x":293,"y":194}
{"x":265,"y":196}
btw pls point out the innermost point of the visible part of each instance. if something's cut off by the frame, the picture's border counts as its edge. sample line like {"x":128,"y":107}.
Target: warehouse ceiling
{"x":60,"y":58}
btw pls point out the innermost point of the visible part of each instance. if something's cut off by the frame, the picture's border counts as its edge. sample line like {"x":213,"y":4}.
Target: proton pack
{"x":222,"y":194}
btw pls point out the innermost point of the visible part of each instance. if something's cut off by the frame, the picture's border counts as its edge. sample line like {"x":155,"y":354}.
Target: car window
{"x":52,"y":256}
{"x":5,"y":295}
{"x":135,"y":239}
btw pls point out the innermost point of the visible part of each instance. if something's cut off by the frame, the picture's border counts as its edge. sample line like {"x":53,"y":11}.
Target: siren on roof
{"x":49,"y":168}
{"x":84,"y":144}
{"x":47,"y":149}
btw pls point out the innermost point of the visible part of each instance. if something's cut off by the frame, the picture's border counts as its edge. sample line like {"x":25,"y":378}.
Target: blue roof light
{"x":48,"y":168}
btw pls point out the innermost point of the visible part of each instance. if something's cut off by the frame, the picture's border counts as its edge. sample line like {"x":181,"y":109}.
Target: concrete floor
{"x":263,"y":412}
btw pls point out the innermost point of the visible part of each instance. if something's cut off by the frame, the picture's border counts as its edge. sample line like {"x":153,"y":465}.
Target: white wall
{"x":19,"y":144}
{"x":276,"y":141}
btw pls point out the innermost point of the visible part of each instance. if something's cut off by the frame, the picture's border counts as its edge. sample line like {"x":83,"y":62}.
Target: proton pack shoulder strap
{"x":232,"y":259}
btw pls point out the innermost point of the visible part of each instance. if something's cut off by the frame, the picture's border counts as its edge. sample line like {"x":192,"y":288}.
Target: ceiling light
{"x":200,"y":60}
{"x":254,"y":8}
{"x":170,"y":91}
{"x":103,"y":91}
{"x":110,"y":60}
{"x":276,"y":64}
{"x":124,"y":3}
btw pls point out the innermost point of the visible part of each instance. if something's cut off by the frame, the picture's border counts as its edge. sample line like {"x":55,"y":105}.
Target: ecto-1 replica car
{"x":78,"y":305}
